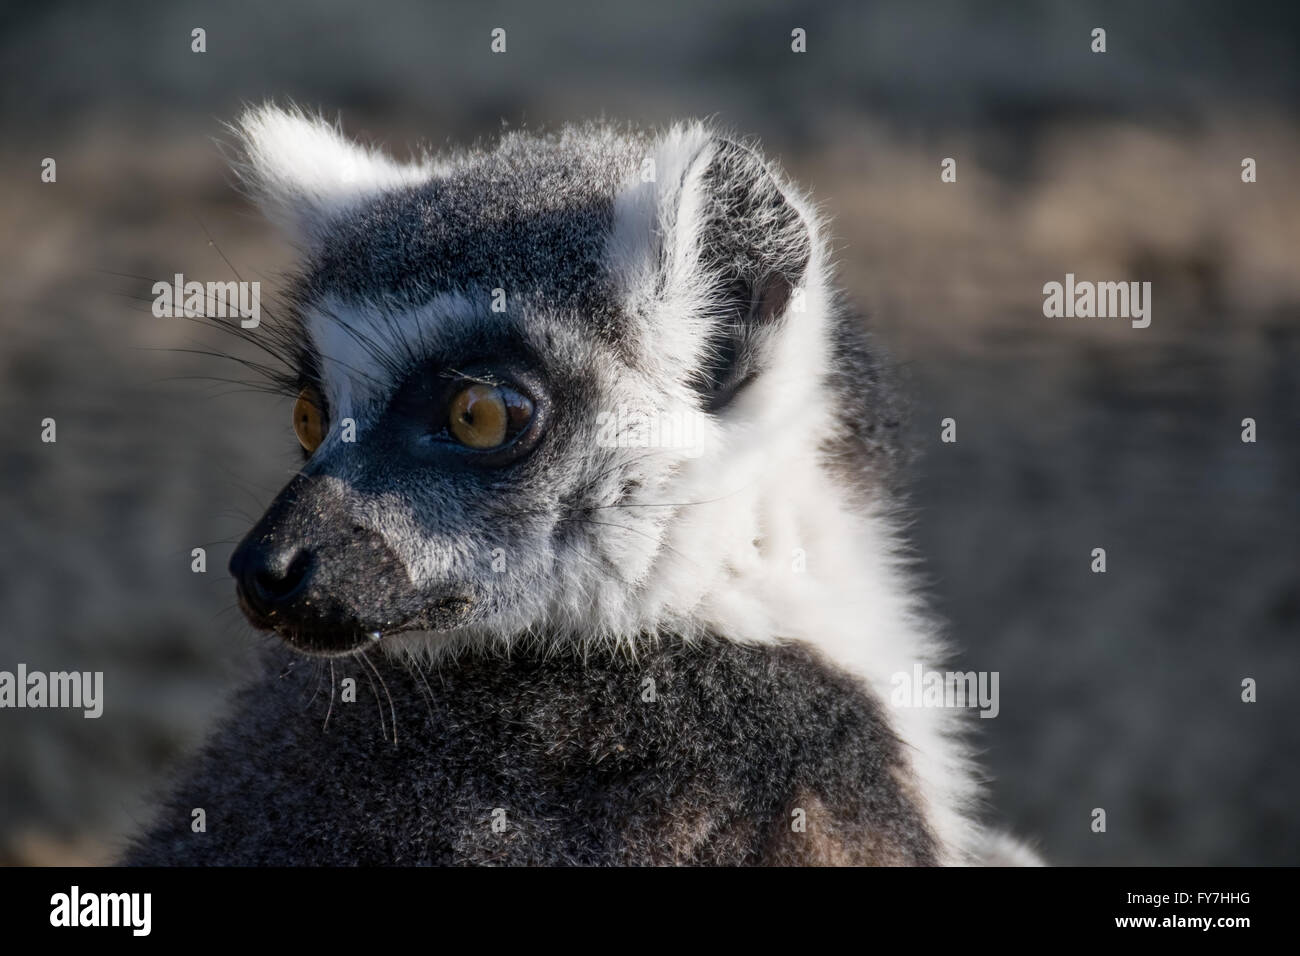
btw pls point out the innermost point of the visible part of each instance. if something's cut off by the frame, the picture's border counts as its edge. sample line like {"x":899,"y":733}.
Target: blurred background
{"x":1119,"y":691}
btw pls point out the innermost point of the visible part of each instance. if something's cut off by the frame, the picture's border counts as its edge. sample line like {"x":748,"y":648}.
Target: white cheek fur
{"x":752,"y":539}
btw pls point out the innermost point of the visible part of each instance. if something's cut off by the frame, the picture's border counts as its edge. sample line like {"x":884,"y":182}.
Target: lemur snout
{"x":268,"y":583}
{"x":324,"y":583}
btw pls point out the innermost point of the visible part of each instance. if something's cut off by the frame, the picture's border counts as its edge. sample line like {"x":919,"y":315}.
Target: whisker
{"x":330,"y":710}
{"x":392,"y":709}
{"x":320,"y":674}
{"x":374,"y":690}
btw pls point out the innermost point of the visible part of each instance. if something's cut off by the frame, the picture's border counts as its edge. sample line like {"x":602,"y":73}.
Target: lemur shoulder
{"x":582,"y":647}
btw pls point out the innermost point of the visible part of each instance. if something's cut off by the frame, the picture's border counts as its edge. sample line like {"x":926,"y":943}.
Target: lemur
{"x":585,"y":647}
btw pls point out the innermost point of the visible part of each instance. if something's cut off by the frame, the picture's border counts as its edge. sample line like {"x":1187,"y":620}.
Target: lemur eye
{"x":308,"y":419}
{"x":488,"y":416}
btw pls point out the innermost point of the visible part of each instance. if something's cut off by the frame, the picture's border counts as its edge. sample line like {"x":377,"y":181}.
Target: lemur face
{"x":473,"y":479}
{"x":483,"y":347}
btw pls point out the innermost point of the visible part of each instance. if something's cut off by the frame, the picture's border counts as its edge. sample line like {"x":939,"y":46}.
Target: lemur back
{"x":710,"y":753}
{"x":597,"y":503}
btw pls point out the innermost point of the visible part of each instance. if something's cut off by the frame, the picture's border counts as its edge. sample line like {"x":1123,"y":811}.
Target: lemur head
{"x":518,"y":368}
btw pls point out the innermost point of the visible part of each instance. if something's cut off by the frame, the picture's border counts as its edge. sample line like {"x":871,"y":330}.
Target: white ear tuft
{"x":655,"y":215}
{"x":304,"y":172}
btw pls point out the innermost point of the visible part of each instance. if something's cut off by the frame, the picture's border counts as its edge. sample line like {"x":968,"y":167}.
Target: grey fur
{"x":555,"y":732}
{"x":533,"y":212}
{"x":585,"y":769}
{"x":868,"y":450}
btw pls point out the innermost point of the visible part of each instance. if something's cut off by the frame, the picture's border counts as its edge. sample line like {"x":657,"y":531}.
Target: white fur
{"x":304,"y":171}
{"x":727,"y":564}
{"x":721,"y":560}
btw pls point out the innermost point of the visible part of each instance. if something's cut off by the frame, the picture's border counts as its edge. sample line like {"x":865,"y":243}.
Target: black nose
{"x":325,"y":583}
{"x":270,"y":579}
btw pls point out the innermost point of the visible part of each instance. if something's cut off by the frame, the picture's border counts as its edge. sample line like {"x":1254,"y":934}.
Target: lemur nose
{"x":325,"y":583}
{"x":269,"y":580}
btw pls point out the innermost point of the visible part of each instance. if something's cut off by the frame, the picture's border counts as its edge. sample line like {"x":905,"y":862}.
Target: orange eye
{"x":308,"y":419}
{"x":487,"y":416}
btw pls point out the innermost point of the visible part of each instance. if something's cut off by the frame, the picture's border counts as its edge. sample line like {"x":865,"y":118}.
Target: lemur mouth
{"x":328,"y":586}
{"x":332,"y":635}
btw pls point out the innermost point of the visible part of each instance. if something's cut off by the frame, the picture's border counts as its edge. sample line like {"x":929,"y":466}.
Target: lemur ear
{"x":752,"y":249}
{"x":304,"y":172}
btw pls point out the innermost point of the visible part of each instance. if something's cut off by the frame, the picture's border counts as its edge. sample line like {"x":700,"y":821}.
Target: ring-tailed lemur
{"x":591,"y":641}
